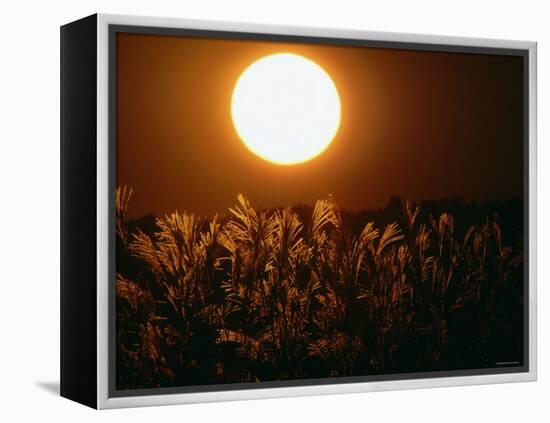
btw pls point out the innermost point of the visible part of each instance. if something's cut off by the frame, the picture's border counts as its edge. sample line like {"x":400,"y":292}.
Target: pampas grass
{"x":253,"y":296}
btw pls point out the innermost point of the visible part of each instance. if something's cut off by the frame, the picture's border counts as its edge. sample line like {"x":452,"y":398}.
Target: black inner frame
{"x":113,"y":30}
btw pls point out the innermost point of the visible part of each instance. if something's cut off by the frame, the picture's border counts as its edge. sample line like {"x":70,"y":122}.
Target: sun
{"x":286,"y":109}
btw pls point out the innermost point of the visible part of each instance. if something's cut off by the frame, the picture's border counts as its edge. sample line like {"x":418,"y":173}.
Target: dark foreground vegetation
{"x":314,"y":292}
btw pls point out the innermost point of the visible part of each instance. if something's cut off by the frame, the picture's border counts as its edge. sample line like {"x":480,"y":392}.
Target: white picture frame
{"x":103,"y":364}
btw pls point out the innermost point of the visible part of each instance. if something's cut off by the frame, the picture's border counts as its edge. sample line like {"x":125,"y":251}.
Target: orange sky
{"x":419,"y":125}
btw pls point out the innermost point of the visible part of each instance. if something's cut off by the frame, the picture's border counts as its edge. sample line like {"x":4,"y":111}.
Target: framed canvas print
{"x":253,"y":211}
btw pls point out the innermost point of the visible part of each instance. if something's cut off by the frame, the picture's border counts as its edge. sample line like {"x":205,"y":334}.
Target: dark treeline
{"x":508,"y":213}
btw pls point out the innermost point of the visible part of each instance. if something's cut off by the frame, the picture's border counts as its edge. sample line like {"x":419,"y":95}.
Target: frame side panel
{"x":78,"y":211}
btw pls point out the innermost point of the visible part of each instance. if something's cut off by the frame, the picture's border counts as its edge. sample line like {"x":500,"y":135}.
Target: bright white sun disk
{"x":286,"y":109}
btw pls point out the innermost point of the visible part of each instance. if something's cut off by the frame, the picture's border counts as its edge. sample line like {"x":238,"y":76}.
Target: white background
{"x":29,"y":212}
